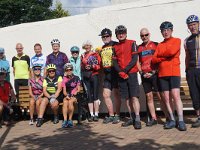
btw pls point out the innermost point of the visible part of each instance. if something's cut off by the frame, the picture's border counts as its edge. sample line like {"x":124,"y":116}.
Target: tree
{"x":14,"y":12}
{"x":59,"y":12}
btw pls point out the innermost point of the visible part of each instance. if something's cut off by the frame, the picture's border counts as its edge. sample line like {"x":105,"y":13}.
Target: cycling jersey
{"x":192,"y":49}
{"x":39,"y":59}
{"x":167,"y":56}
{"x":76,"y":66}
{"x":36,"y":86}
{"x":71,"y":84}
{"x":125,"y":56}
{"x":51,"y":84}
{"x":5,"y":88}
{"x":60,"y":59}
{"x":145,"y":56}
{"x":93,"y":59}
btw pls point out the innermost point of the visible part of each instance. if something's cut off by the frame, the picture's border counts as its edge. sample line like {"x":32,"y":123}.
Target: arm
{"x":96,"y":67}
{"x":59,"y":88}
{"x":172,"y":48}
{"x":187,"y":56}
{"x":30,"y":90}
{"x":157,"y":59}
{"x":46,"y":94}
{"x":115,"y":63}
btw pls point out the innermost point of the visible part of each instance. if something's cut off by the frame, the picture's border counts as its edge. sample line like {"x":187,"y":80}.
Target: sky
{"x":82,"y":6}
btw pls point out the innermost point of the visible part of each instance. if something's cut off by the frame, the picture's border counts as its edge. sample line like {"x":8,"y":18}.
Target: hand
{"x":88,"y":67}
{"x":147,"y":75}
{"x":123,"y":75}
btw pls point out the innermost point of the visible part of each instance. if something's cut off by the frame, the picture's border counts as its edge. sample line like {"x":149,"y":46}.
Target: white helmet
{"x":55,"y":41}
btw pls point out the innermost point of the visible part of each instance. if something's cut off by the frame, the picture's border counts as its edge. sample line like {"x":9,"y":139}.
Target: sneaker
{"x":137,"y":125}
{"x":56,"y":120}
{"x":116,"y":119}
{"x":151,"y":123}
{"x":127,"y":123}
{"x":90,"y":119}
{"x":65,"y":124}
{"x":70,"y":124}
{"x":108,"y":119}
{"x":196,"y":124}
{"x":181,"y":126}
{"x":170,"y":124}
{"x":39,"y":122}
{"x":96,"y":118}
{"x":31,"y":122}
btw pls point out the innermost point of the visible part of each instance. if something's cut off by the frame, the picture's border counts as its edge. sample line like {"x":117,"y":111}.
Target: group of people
{"x":56,"y":79}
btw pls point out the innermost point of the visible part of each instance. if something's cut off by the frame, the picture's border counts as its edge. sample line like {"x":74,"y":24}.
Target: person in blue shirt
{"x":4,"y":63}
{"x":75,"y":60}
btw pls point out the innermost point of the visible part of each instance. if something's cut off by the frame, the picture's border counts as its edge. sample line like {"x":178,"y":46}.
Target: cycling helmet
{"x":166,"y":25}
{"x":55,"y":41}
{"x":120,"y":29}
{"x":192,"y":18}
{"x":74,"y":49}
{"x":37,"y":65}
{"x":68,"y":66}
{"x":3,"y":70}
{"x":106,"y":31}
{"x":51,"y":66}
{"x":1,"y":50}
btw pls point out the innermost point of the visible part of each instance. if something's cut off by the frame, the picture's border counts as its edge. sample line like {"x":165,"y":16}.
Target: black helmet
{"x":120,"y":29}
{"x":166,"y":25}
{"x":106,"y":31}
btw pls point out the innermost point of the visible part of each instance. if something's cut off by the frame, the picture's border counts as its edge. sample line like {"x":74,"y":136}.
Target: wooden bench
{"x":185,"y":96}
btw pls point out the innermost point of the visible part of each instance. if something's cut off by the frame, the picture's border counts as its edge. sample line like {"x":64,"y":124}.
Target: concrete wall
{"x":76,"y":29}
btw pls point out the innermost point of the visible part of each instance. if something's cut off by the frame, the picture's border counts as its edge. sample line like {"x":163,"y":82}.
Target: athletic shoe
{"x":70,"y":124}
{"x":96,"y":118}
{"x":116,"y":119}
{"x":90,"y":118}
{"x":181,"y":126}
{"x":65,"y":124}
{"x":170,"y":124}
{"x":56,"y":120}
{"x":137,"y":125}
{"x":39,"y":122}
{"x":127,"y":123}
{"x":31,"y":122}
{"x":108,"y":119}
{"x":151,"y":123}
{"x":196,"y":124}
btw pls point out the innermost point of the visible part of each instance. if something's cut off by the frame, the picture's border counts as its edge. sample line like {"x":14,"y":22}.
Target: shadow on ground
{"x":85,"y":139}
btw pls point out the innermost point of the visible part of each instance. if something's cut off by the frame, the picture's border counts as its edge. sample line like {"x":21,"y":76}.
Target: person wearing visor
{"x":110,"y":77}
{"x":75,"y":60}
{"x":167,"y":54}
{"x":35,"y":91}
{"x":52,"y":87}
{"x":4,"y":63}
{"x":71,"y":86}
{"x":125,"y":59}
{"x":192,"y":62}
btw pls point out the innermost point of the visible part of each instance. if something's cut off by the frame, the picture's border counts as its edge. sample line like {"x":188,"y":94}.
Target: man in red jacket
{"x":125,"y":58}
{"x":167,"y":57}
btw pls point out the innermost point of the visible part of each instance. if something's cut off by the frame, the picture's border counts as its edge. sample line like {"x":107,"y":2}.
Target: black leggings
{"x":92,"y":85}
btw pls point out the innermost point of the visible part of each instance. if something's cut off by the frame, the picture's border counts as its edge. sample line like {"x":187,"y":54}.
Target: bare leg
{"x":108,"y":101}
{"x":150,"y":104}
{"x":65,"y":108}
{"x":31,"y":107}
{"x":117,"y":100}
{"x":43,"y":106}
{"x":71,"y":108}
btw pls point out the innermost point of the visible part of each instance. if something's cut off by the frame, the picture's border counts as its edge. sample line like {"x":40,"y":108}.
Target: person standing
{"x":21,"y":68}
{"x":57,"y":58}
{"x":125,"y":60}
{"x":192,"y":60}
{"x":167,"y":54}
{"x":110,"y":77}
{"x":149,"y":75}
{"x":4,"y":63}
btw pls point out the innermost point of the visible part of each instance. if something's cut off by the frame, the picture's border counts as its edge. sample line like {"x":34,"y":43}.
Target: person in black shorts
{"x":110,"y":77}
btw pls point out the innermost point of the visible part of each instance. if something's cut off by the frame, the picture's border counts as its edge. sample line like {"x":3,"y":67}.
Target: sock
{"x":137,"y":117}
{"x":96,"y":113}
{"x":180,"y":117}
{"x":171,"y":116}
{"x":132,"y":115}
{"x":91,"y":113}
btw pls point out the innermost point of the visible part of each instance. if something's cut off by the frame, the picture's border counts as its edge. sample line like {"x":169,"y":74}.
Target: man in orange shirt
{"x":167,"y":57}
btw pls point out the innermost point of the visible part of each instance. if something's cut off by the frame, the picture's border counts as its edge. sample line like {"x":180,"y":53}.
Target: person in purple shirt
{"x":57,"y":58}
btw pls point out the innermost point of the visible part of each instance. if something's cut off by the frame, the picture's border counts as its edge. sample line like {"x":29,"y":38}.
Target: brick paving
{"x":97,"y":136}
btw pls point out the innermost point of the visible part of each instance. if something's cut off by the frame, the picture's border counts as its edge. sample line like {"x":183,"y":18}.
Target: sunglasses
{"x":68,"y":70}
{"x":35,"y":69}
{"x":75,"y":52}
{"x":145,"y":35}
{"x":51,"y":71}
{"x":106,"y":36}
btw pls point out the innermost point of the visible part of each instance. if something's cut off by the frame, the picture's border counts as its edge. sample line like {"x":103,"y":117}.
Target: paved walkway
{"x":97,"y":136}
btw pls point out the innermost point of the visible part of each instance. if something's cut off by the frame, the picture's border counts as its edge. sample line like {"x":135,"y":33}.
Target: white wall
{"x":76,"y":29}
